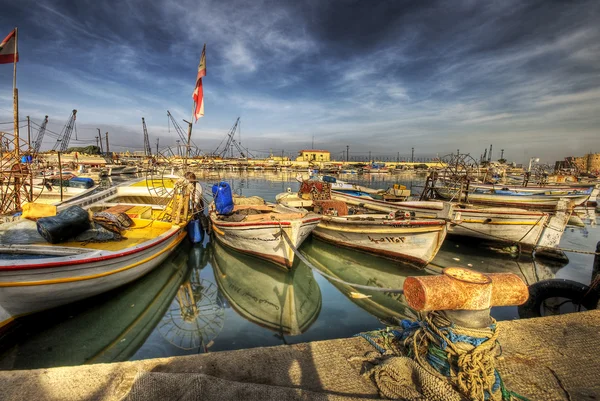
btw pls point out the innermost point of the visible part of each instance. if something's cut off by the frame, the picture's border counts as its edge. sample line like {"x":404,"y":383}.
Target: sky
{"x":376,"y":76}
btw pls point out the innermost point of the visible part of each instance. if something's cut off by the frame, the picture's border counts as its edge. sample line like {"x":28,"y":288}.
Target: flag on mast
{"x":198,"y":95}
{"x":8,"y":48}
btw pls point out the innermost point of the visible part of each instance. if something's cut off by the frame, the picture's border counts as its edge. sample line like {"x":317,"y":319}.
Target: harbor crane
{"x":40,"y":136}
{"x":147,"y":149}
{"x":231,"y":143}
{"x":183,"y":136}
{"x":62,"y":143}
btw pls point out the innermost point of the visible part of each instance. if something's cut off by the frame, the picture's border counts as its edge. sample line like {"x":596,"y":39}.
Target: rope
{"x":463,"y":357}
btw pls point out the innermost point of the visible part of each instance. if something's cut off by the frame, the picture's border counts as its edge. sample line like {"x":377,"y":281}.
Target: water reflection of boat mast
{"x":196,"y":317}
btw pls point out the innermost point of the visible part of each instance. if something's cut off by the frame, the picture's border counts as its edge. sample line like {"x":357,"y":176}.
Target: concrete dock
{"x":552,"y":358}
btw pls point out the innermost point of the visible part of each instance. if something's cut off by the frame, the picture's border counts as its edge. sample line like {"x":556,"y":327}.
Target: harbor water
{"x":208,"y":298}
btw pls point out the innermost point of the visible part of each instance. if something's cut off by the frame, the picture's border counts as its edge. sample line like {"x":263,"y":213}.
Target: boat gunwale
{"x":108,"y":255}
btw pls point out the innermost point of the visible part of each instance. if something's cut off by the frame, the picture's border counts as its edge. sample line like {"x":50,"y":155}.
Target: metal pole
{"x":157,"y":145}
{"x":347,"y":153}
{"x":100,"y":141}
{"x":60,"y":177}
{"x":107,"y":148}
{"x":28,"y":133}
{"x":16,"y":95}
{"x":412,"y":157}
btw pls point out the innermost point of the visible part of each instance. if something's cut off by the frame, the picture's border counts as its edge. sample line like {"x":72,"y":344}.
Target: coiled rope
{"x":463,"y":357}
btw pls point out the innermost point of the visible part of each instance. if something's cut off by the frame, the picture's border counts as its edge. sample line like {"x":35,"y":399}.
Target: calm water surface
{"x":206,"y":298}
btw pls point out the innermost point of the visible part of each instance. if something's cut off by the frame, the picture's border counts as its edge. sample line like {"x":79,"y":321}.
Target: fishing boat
{"x":415,"y":241}
{"x":529,"y":228}
{"x":48,"y":190}
{"x":287,"y":302}
{"x":36,"y":275}
{"x":110,"y":327}
{"x":508,"y":198}
{"x":257,"y":229}
{"x":375,"y":168}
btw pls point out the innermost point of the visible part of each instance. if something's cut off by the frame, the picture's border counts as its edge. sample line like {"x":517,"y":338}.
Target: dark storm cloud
{"x":376,"y":75}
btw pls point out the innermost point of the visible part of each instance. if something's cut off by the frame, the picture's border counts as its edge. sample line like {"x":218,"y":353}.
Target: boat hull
{"x":52,"y":282}
{"x":536,"y":202}
{"x":414,"y":242}
{"x":264,"y":239}
{"x":506,"y":225}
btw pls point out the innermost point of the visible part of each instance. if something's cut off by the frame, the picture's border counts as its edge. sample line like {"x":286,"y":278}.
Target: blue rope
{"x":367,"y":337}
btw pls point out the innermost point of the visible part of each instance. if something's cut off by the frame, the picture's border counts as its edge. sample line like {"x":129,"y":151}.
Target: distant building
{"x":587,"y":163}
{"x":313,"y":155}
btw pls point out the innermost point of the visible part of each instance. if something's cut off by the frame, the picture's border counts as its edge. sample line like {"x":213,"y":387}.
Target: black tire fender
{"x":563,"y":288}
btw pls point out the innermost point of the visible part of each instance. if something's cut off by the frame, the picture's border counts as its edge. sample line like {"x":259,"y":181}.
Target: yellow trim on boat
{"x":93,"y":276}
{"x":503,"y":223}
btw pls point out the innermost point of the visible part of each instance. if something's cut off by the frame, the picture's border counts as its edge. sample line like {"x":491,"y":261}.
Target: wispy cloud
{"x":380,"y":77}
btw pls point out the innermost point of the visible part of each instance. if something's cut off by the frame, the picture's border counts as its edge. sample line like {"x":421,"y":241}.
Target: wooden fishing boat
{"x":537,"y":201}
{"x":110,"y":327}
{"x":257,"y":229}
{"x":287,"y":302}
{"x":529,"y":228}
{"x":415,"y":241}
{"x":36,"y":275}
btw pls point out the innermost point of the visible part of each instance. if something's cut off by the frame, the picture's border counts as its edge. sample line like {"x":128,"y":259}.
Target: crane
{"x":147,"y":148}
{"x":62,"y":143}
{"x":231,"y":142}
{"x":182,"y":134}
{"x":40,"y":136}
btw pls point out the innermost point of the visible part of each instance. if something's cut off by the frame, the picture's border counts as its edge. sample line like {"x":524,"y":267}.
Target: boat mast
{"x":16,"y":96}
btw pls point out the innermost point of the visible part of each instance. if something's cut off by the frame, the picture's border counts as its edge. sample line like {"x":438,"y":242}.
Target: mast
{"x":147,"y":148}
{"x":16,"y":95}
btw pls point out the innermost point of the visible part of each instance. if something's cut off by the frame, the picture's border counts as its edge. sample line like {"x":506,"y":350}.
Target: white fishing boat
{"x":117,"y":169}
{"x":257,"y":230}
{"x":537,"y":201}
{"x":528,"y":228}
{"x":414,"y":241}
{"x":36,"y":275}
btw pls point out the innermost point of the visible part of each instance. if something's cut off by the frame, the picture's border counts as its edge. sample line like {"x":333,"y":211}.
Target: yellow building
{"x":313,"y":155}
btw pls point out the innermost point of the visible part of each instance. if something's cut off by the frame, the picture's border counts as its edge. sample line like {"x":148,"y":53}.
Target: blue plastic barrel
{"x":195,"y":232}
{"x":223,"y":198}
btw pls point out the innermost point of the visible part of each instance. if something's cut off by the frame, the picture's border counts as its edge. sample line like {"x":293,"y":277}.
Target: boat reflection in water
{"x":107,"y":328}
{"x":196,"y":316}
{"x":287,"y":302}
{"x":472,"y":255}
{"x":363,"y":269}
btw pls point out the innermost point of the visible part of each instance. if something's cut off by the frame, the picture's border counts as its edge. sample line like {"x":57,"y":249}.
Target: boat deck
{"x":142,"y":231}
{"x":552,"y":358}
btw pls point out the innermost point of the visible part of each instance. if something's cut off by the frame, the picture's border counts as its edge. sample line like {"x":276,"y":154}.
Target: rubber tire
{"x":553,"y":288}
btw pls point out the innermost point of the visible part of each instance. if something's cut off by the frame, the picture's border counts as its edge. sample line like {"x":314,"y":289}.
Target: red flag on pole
{"x":198,"y":95}
{"x":8,"y":48}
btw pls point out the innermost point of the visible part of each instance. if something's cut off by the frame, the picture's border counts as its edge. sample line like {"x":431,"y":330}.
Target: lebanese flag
{"x":8,"y":48}
{"x":198,"y":95}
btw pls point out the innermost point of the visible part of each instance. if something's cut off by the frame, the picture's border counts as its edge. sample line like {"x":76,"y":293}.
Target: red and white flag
{"x":198,"y":95}
{"x":8,"y":48}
